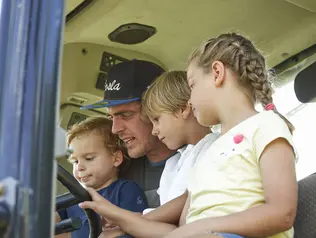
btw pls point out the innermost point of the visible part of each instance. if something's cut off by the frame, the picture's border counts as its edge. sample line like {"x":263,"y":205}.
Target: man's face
{"x":135,"y":132}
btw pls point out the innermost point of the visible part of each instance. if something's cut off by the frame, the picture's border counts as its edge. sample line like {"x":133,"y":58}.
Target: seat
{"x":146,"y":176}
{"x":305,"y":221}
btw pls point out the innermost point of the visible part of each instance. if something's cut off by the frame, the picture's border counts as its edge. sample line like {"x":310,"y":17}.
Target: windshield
{"x":303,"y":116}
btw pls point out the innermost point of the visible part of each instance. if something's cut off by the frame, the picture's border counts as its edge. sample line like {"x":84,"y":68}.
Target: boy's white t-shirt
{"x":174,"y":178}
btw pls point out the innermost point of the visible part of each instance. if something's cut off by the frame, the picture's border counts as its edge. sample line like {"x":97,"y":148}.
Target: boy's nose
{"x":155,"y":131}
{"x":80,"y":166}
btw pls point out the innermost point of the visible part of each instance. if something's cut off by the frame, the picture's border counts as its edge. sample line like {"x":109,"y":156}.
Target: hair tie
{"x":269,"y":106}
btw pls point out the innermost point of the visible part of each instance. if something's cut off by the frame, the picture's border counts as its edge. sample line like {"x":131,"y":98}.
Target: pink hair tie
{"x":269,"y":106}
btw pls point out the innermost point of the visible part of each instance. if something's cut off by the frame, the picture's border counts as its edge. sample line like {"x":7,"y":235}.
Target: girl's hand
{"x":99,"y":204}
{"x":107,"y":224}
{"x":112,"y":233}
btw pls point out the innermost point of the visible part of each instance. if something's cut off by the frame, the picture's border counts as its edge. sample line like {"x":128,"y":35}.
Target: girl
{"x":255,"y":194}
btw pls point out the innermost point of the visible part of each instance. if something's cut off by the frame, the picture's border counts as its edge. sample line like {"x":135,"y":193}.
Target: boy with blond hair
{"x":97,"y":155}
{"x":166,"y":104}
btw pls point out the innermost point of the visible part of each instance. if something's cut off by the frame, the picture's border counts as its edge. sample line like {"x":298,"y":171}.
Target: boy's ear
{"x":218,"y":72}
{"x":186,"y":111}
{"x":118,"y":158}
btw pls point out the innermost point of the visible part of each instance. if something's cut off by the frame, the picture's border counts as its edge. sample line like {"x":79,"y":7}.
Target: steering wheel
{"x":77,"y":194}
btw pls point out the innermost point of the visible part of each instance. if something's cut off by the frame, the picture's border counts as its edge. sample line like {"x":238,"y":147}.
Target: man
{"x":124,"y":86}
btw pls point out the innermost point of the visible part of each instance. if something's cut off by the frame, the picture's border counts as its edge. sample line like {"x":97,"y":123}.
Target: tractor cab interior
{"x":99,"y":34}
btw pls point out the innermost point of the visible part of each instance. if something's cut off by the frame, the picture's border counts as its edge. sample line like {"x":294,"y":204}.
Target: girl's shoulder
{"x":265,"y":120}
{"x":270,"y":121}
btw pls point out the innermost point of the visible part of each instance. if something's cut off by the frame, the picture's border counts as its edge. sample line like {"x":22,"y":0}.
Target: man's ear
{"x":218,"y":72}
{"x":118,"y":158}
{"x":185,"y":113}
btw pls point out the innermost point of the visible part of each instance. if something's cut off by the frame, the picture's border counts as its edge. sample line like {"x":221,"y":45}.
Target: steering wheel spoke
{"x":68,"y":225}
{"x":77,"y":194}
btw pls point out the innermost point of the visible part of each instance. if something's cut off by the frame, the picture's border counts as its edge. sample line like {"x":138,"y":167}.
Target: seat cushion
{"x":305,"y":221}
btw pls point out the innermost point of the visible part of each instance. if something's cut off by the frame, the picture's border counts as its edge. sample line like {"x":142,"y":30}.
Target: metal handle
{"x":68,"y":225}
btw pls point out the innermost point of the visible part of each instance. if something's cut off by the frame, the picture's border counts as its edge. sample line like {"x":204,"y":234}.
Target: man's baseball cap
{"x":126,"y":82}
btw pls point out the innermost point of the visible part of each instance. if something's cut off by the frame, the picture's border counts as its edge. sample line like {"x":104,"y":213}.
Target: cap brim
{"x":108,"y":103}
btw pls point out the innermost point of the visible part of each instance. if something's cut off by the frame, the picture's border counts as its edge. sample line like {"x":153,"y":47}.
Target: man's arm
{"x":169,"y":212}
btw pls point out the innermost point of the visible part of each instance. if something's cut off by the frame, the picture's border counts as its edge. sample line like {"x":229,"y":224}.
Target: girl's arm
{"x":134,"y":224}
{"x":169,"y":212}
{"x":140,"y":227}
{"x":278,"y":212}
{"x":185,"y":210}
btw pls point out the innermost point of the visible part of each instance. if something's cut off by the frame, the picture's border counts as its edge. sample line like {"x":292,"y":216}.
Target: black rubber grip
{"x":68,"y":225}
